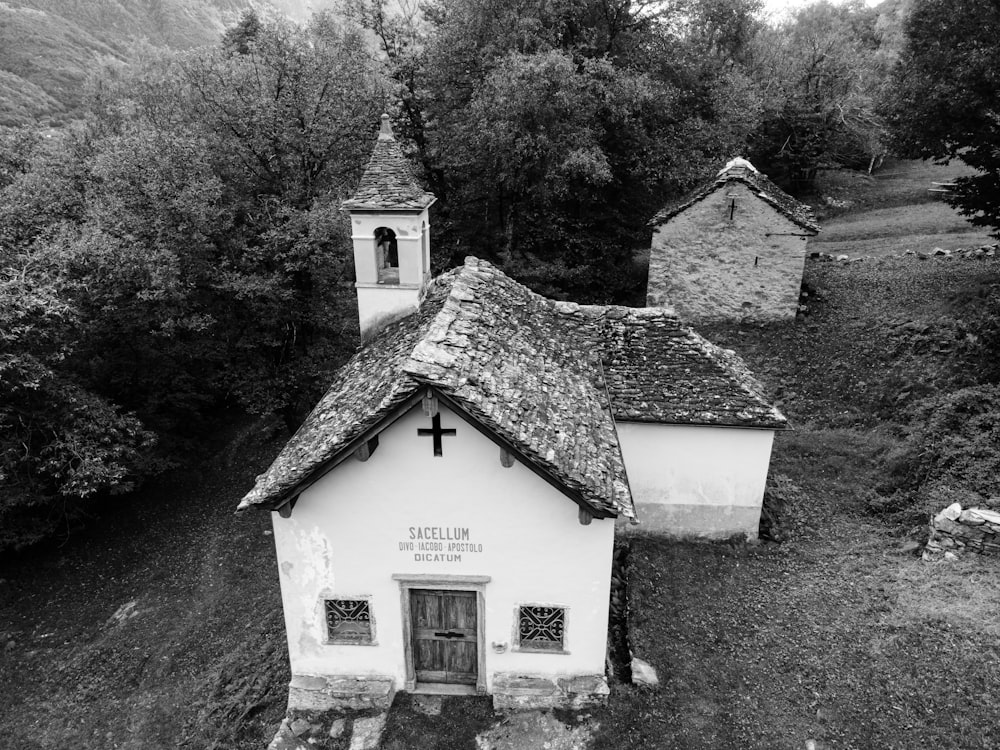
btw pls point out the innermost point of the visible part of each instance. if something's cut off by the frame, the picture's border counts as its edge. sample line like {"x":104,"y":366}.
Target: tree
{"x":544,"y":166}
{"x":59,"y":442}
{"x":947,"y":89}
{"x":180,"y":252}
{"x":820,"y":77}
{"x":238,"y":39}
{"x":552,"y":131}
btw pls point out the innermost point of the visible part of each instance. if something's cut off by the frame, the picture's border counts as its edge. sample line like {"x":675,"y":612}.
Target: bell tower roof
{"x":388,"y":184}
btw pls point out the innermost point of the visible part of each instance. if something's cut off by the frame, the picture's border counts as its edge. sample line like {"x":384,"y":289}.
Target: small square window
{"x":541,"y":628}
{"x":348,"y":621}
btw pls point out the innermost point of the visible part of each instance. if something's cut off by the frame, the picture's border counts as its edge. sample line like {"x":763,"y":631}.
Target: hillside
{"x":160,"y":626}
{"x":48,"y":48}
{"x":891,"y":211}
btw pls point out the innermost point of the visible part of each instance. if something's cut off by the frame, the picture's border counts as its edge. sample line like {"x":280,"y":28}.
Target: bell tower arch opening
{"x":386,"y":256}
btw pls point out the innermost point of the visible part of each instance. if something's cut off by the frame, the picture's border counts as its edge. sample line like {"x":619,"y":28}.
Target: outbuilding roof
{"x":741,"y":170}
{"x":546,"y":378}
{"x":659,"y":370}
{"x":388,"y":183}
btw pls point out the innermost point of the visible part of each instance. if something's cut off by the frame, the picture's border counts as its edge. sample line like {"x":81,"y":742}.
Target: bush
{"x":779,"y":493}
{"x":951,"y":454}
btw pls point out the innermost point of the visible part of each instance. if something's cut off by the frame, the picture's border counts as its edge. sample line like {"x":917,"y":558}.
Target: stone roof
{"x":546,"y":378}
{"x":741,"y":170}
{"x":388,"y":183}
{"x":659,"y":370}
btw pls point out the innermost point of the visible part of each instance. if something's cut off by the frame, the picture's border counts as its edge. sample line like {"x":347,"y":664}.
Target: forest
{"x":173,"y":256}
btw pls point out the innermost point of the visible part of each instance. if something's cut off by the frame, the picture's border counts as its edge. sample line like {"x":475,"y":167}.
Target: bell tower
{"x":390,"y":229}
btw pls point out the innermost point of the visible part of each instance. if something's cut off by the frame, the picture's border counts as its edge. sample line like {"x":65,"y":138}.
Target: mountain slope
{"x":48,"y":48}
{"x":44,"y":60}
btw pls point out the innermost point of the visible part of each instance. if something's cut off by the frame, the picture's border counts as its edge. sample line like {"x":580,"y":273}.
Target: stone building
{"x":444,"y":519}
{"x":733,"y":249}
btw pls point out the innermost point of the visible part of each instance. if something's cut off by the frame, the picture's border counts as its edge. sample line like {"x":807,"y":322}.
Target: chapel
{"x":734,"y":248}
{"x":444,"y":519}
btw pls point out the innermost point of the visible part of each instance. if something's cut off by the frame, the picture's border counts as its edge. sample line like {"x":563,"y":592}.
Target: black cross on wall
{"x":437,"y":431}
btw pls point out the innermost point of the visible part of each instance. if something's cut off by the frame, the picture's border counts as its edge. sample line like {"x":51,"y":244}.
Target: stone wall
{"x":707,"y":266}
{"x":520,"y":692}
{"x":336,"y":692}
{"x":955,"y":530}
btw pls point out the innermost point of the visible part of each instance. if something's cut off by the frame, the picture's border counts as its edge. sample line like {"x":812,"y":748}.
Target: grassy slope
{"x":203,"y":658}
{"x":892,"y":211}
{"x":838,"y":635}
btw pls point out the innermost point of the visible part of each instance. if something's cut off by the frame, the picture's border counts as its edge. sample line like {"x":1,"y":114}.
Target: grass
{"x":891,"y":212}
{"x":838,"y":635}
{"x":202,"y":663}
{"x":770,"y":648}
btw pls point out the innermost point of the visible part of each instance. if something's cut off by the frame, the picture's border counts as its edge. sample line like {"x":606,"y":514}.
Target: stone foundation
{"x":517,"y":692}
{"x":311,"y":693}
{"x":692,"y":521}
{"x":954,"y":530}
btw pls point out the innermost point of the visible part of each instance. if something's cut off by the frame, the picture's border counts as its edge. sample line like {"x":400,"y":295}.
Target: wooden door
{"x":445,"y":647}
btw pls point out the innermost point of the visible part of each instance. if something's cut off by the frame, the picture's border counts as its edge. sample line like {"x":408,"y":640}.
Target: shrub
{"x":779,"y":493}
{"x":951,"y":451}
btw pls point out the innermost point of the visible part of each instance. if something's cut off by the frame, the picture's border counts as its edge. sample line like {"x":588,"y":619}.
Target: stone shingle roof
{"x":488,"y":344}
{"x":740,"y":170}
{"x":659,"y":370}
{"x":387,"y":182}
{"x":365,"y":391}
{"x":547,"y":378}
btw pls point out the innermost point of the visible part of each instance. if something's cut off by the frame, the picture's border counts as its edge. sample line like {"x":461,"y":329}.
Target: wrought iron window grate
{"x":348,"y":621}
{"x":541,"y":628}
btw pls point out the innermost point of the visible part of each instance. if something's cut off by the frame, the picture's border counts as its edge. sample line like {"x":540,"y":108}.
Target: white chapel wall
{"x":696,"y":481}
{"x":707,"y":266}
{"x":350,"y":533}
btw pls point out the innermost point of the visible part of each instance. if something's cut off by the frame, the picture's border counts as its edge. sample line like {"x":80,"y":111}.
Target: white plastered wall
{"x":696,"y":481}
{"x":382,"y":302}
{"x":345,"y":534}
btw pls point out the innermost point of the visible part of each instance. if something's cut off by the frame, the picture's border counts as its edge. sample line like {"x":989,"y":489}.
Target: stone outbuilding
{"x":733,"y":249}
{"x":444,"y":519}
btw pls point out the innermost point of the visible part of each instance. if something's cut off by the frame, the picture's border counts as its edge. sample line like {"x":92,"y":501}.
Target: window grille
{"x":541,"y":628}
{"x":348,"y":621}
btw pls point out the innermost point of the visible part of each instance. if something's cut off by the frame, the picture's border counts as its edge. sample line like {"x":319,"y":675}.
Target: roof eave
{"x":762,"y":425}
{"x":274,"y":502}
{"x":699,"y":195}
{"x":362,"y":207}
{"x":531,"y":463}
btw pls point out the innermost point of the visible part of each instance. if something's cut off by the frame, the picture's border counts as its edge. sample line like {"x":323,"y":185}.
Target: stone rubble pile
{"x":955,"y":530}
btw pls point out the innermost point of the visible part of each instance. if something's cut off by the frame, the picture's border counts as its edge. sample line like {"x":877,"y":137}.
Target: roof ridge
{"x":762,"y":186}
{"x":448,"y":356}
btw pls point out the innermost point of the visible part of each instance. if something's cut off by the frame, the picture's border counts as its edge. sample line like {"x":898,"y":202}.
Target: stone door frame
{"x":442,"y":582}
